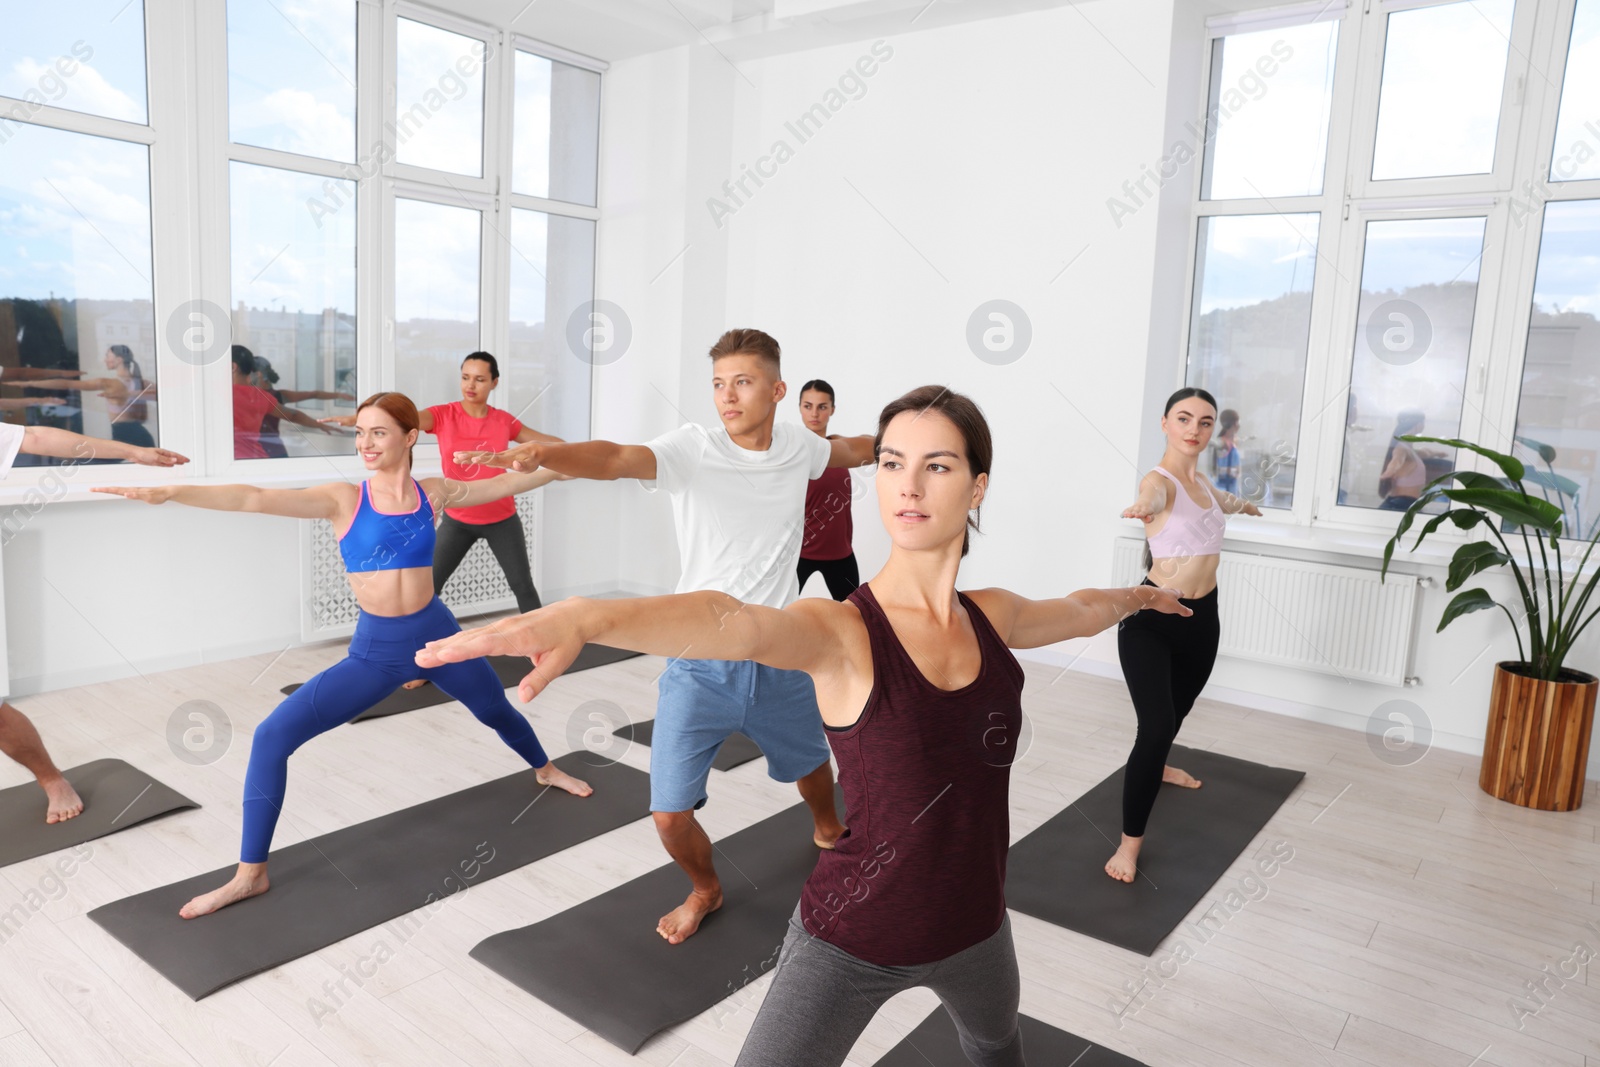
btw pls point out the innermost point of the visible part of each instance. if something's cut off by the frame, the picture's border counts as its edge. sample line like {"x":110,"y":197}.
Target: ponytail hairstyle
{"x":135,"y":407}
{"x":398,"y":407}
{"x":968,"y":418}
{"x":1182,"y":394}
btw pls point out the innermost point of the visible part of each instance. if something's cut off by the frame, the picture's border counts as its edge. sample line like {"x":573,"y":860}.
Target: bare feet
{"x":64,"y":800}
{"x":1180,"y":777}
{"x":1125,"y":863}
{"x":249,"y":881}
{"x":550,"y":774}
{"x":415,"y":683}
{"x":825,"y":836}
{"x":682,"y":921}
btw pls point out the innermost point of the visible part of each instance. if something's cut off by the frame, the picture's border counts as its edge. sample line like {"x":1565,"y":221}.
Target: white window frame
{"x":1524,"y":146}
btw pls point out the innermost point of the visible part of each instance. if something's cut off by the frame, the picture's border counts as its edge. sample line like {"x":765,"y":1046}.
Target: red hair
{"x":398,"y":407}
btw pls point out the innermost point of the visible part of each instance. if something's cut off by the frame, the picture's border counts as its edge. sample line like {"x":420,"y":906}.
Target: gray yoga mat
{"x":337,"y":885}
{"x":618,"y":977}
{"x":1057,"y":873}
{"x":736,"y":751}
{"x":934,"y":1044}
{"x":509,"y":669}
{"x":115,"y":795}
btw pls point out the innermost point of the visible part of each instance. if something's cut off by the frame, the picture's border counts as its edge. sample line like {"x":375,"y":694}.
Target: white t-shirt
{"x":11,"y":436}
{"x":740,"y":514}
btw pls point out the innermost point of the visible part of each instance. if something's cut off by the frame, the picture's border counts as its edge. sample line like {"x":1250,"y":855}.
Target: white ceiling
{"x":739,"y":29}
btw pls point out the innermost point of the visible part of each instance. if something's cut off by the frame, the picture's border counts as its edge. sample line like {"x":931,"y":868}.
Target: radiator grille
{"x":1315,"y":616}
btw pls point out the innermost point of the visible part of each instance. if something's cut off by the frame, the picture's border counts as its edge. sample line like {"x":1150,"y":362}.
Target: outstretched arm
{"x":1231,"y":504}
{"x":294,"y":396}
{"x":598,"y":460}
{"x":527,"y":434}
{"x":454,"y":494}
{"x":704,"y":625}
{"x":1152,"y":498}
{"x":317,"y":502}
{"x":851,"y":451}
{"x":1024,"y":623}
{"x":64,"y":444}
{"x":295,"y":415}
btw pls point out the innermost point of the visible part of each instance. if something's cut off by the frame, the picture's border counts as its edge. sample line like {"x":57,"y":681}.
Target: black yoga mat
{"x":935,"y":1044}
{"x":1057,"y":873}
{"x":115,"y":796}
{"x":735,"y":751}
{"x":329,"y":888}
{"x":510,"y":669}
{"x":618,"y":977}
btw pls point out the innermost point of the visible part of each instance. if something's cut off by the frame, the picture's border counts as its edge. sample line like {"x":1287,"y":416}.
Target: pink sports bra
{"x":1189,"y":530}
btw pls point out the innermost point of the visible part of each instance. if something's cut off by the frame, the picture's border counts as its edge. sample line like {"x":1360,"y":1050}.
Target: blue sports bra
{"x":379,"y":541}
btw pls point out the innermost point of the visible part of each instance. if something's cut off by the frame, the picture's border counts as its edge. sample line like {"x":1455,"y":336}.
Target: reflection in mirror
{"x":77,"y":324}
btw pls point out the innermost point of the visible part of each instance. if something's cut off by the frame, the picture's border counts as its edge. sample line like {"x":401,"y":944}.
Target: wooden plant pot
{"x":1537,"y":749}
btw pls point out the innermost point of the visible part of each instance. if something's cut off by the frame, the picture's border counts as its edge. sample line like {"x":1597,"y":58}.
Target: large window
{"x":78,"y":339}
{"x":1371,"y":215}
{"x":343,"y":197}
{"x":291,"y":99}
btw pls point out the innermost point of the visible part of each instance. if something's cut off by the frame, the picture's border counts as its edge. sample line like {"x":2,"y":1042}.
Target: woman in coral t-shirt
{"x":471,"y":425}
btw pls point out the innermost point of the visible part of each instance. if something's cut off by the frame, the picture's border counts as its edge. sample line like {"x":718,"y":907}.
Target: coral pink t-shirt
{"x":250,"y":406}
{"x":459,"y":432}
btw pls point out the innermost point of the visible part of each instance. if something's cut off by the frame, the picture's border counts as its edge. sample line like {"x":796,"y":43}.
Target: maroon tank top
{"x":920,"y":874}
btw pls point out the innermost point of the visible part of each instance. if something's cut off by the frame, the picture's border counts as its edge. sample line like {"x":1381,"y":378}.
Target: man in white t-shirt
{"x":18,"y":738}
{"x":738,"y":497}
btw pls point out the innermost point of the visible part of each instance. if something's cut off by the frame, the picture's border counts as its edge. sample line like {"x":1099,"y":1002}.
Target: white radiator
{"x":1314,"y":616}
{"x":478,"y":586}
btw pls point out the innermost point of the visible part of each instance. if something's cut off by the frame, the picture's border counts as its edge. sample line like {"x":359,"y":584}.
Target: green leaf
{"x":1478,"y":480}
{"x":1470,"y":601}
{"x":1510,"y":505}
{"x":1472,"y":558}
{"x":1546,"y":452}
{"x":1510,"y":464}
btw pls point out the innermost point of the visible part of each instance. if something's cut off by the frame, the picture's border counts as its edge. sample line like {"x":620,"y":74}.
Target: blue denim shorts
{"x":702,"y":701}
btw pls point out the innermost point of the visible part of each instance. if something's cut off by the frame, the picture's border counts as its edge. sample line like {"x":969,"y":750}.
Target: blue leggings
{"x":380,"y":661}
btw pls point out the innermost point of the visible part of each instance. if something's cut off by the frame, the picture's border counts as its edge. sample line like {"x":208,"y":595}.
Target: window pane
{"x":552,"y":282}
{"x":1439,"y":104}
{"x":1560,"y":404}
{"x":438,"y":98}
{"x":1271,"y":95}
{"x":85,"y":56}
{"x":292,"y":76}
{"x":436,"y":264}
{"x":1419,"y":285}
{"x":294,"y":310}
{"x":76,"y":314}
{"x":556,"y":144}
{"x":1247,"y":347}
{"x":1577,"y":147}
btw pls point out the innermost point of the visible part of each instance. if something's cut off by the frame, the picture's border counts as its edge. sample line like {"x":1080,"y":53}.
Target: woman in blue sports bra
{"x":1167,"y":659}
{"x":385,"y":527}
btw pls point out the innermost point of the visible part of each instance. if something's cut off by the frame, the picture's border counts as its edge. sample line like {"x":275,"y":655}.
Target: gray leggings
{"x":455,"y":538}
{"x":822,"y":998}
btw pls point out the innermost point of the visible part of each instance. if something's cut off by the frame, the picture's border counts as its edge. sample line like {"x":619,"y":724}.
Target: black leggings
{"x":1166,"y":660}
{"x":842,"y":575}
{"x":455,"y":538}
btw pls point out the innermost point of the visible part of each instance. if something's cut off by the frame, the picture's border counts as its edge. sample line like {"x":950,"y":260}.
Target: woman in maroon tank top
{"x":922,"y":700}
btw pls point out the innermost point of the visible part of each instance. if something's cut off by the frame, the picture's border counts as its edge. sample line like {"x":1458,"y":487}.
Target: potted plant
{"x":1541,"y":712}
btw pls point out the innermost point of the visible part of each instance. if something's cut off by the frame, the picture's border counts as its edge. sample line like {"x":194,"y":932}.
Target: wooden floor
{"x":1408,"y":928}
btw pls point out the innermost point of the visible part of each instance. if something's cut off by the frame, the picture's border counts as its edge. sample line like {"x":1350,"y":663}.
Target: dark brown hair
{"x":967,"y":417}
{"x":746,"y":342}
{"x":398,"y":407}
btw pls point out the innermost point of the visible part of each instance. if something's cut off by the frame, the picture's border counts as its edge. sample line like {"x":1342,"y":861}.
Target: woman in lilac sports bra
{"x":386,"y":534}
{"x":1167,"y":659}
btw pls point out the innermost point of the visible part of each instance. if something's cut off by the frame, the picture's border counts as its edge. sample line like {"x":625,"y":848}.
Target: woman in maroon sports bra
{"x":922,"y":700}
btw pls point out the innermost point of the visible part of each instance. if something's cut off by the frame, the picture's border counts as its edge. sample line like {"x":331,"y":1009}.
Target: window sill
{"x":1360,"y":546}
{"x":75,"y":487}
